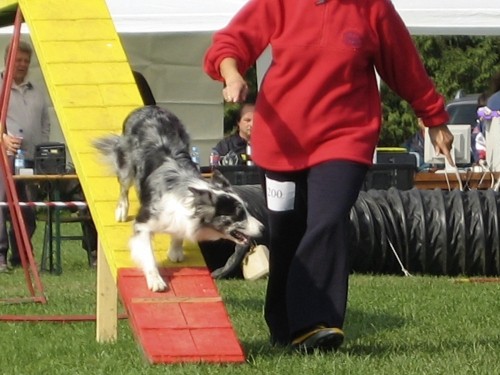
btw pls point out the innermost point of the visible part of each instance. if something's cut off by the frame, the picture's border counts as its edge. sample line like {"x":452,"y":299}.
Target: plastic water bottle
{"x":214,"y":159}
{"x":195,"y":155}
{"x":249,"y":161}
{"x":19,"y":161}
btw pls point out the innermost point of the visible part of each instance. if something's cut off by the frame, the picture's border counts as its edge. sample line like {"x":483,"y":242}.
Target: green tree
{"x":454,"y":63}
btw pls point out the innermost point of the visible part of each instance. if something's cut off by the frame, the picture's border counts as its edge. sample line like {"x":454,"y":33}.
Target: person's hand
{"x":442,"y":140}
{"x":11,"y":143}
{"x":236,"y":89}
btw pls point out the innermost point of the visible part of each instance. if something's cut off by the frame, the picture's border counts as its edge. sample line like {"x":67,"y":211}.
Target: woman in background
{"x":235,"y":145}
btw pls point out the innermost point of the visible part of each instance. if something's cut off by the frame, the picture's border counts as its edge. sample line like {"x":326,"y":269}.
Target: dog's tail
{"x":108,"y":147}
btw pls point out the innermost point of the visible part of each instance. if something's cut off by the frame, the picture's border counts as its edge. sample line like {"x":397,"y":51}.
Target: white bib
{"x":280,"y":195}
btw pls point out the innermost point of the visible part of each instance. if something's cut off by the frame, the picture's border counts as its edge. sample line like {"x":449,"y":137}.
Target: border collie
{"x":153,"y":154}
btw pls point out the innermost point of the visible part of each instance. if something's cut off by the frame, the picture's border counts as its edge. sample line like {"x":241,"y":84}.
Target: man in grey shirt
{"x":27,"y":125}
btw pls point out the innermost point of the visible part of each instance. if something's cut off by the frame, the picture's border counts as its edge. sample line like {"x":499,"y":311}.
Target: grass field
{"x":395,"y":325}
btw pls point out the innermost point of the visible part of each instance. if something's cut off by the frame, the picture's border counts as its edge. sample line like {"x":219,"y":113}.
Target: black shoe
{"x":321,"y":338}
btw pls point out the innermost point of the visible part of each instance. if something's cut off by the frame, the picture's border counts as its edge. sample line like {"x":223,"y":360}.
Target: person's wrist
{"x":234,"y":80}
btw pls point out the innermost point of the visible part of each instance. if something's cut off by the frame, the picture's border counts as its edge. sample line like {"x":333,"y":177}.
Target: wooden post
{"x":107,"y":300}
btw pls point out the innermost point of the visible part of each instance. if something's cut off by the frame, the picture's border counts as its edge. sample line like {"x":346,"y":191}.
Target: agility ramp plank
{"x":93,"y":90}
{"x":189,"y":319}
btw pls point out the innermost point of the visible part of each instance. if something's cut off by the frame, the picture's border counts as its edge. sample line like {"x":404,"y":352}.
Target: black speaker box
{"x":385,"y":176}
{"x":240,"y":174}
{"x":50,"y":158}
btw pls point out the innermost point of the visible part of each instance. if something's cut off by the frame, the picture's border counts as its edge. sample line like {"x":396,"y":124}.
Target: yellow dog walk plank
{"x":93,"y":90}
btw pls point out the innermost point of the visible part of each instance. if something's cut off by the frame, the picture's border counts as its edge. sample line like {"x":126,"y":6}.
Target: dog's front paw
{"x":176,"y":255}
{"x":121,"y":212}
{"x":155,"y":282}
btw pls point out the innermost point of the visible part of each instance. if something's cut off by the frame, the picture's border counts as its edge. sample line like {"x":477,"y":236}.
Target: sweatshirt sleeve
{"x":399,"y":64}
{"x":244,"y":38}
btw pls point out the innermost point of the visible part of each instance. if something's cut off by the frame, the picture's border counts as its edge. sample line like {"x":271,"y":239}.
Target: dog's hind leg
{"x":125,"y":174}
{"x":142,"y":253}
{"x":176,"y":252}
{"x":121,"y":211}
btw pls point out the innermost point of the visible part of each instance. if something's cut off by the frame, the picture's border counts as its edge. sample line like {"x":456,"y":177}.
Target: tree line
{"x":454,"y":63}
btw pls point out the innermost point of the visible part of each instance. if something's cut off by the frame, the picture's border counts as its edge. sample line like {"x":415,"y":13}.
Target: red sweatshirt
{"x":319,"y":99}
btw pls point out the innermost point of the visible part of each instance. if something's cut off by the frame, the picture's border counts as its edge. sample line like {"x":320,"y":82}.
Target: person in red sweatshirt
{"x":316,"y":124}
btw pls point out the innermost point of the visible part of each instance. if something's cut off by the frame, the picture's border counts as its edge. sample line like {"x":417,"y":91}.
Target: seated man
{"x":233,"y":149}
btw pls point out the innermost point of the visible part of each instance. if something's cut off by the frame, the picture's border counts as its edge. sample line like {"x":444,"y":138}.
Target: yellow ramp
{"x":92,"y":87}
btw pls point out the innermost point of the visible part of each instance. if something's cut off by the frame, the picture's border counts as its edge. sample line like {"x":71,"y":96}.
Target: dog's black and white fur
{"x":153,"y":154}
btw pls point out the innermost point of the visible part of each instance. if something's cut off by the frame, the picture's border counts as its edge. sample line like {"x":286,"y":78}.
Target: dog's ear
{"x":202,"y":196}
{"x":219,"y":181}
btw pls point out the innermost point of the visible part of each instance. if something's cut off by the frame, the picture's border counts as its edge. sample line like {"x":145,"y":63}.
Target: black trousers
{"x":309,"y":260}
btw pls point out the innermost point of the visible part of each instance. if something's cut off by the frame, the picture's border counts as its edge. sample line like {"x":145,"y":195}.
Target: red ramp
{"x":188,"y":323}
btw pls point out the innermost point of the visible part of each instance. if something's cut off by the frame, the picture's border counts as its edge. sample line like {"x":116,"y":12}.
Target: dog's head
{"x":223,"y":214}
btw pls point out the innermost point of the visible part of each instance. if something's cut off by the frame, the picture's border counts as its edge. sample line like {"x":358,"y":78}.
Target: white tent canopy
{"x":166,"y":16}
{"x":450,"y":17}
{"x":432,"y":17}
{"x":437,"y":17}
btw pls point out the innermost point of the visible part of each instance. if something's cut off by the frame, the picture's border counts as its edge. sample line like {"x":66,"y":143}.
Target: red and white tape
{"x":77,"y":204}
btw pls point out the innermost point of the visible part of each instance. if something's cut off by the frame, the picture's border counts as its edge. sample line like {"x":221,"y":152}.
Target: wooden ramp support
{"x":92,"y":88}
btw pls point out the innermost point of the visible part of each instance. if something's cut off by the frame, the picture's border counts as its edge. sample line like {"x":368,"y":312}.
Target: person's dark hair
{"x":232,"y":115}
{"x":22,"y":46}
{"x":482,"y":99}
{"x":240,"y":110}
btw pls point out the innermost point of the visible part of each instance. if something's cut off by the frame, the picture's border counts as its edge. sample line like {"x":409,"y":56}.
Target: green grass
{"x":395,"y":325}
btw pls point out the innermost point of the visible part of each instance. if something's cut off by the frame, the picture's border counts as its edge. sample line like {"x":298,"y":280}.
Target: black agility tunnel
{"x":433,"y":232}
